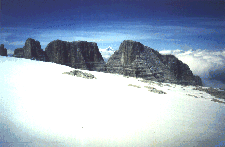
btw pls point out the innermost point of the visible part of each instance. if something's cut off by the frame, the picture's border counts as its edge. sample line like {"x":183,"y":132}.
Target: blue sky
{"x":161,"y":25}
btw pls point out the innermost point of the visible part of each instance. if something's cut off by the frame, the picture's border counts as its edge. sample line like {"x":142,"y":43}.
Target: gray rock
{"x":31,"y":50}
{"x":218,"y":101}
{"x":180,"y":70}
{"x":19,"y":53}
{"x":136,"y":60}
{"x":3,"y":51}
{"x":78,"y":54}
{"x":152,"y":89}
{"x":168,"y":85}
{"x":134,"y":86}
{"x":192,"y":95}
{"x":218,"y":93}
{"x":80,"y":74}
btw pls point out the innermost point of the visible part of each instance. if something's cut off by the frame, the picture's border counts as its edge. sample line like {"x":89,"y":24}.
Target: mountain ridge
{"x":136,"y":60}
{"x":132,"y":59}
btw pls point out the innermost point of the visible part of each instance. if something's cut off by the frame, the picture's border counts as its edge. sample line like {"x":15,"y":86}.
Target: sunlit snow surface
{"x":40,"y":106}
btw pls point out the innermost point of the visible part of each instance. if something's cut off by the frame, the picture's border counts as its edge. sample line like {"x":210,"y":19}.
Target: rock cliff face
{"x":3,"y":51}
{"x":78,"y":54}
{"x":19,"y":53}
{"x":180,"y":70}
{"x":31,"y":50}
{"x":136,"y":60}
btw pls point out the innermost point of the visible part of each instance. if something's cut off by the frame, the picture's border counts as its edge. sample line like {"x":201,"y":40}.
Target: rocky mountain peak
{"x":31,"y":50}
{"x":136,"y":60}
{"x":109,"y":49}
{"x":3,"y":51}
{"x":76,"y":54}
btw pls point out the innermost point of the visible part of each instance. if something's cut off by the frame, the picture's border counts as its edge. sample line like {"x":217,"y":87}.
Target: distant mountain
{"x":10,"y":52}
{"x":109,"y":49}
{"x":107,"y":52}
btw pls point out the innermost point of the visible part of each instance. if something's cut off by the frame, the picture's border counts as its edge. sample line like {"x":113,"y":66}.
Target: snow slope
{"x":40,"y":106}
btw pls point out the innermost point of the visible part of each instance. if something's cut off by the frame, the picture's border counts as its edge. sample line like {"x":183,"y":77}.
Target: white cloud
{"x":17,"y":43}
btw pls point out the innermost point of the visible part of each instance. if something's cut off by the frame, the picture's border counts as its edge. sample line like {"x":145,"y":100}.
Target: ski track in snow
{"x":40,"y":106}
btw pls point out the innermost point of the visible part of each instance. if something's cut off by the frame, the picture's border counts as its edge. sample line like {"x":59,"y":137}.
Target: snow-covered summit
{"x":107,"y":52}
{"x":108,"y":49}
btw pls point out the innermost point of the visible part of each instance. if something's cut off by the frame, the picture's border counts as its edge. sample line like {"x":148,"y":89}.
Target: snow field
{"x":44,"y":107}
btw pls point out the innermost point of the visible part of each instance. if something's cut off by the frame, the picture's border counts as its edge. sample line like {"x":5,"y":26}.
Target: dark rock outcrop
{"x":136,"y":60}
{"x":31,"y":50}
{"x":180,"y":70}
{"x":19,"y":53}
{"x":153,"y":89}
{"x":78,"y":54}
{"x":80,"y":74}
{"x":3,"y":51}
{"x":218,"y":93}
